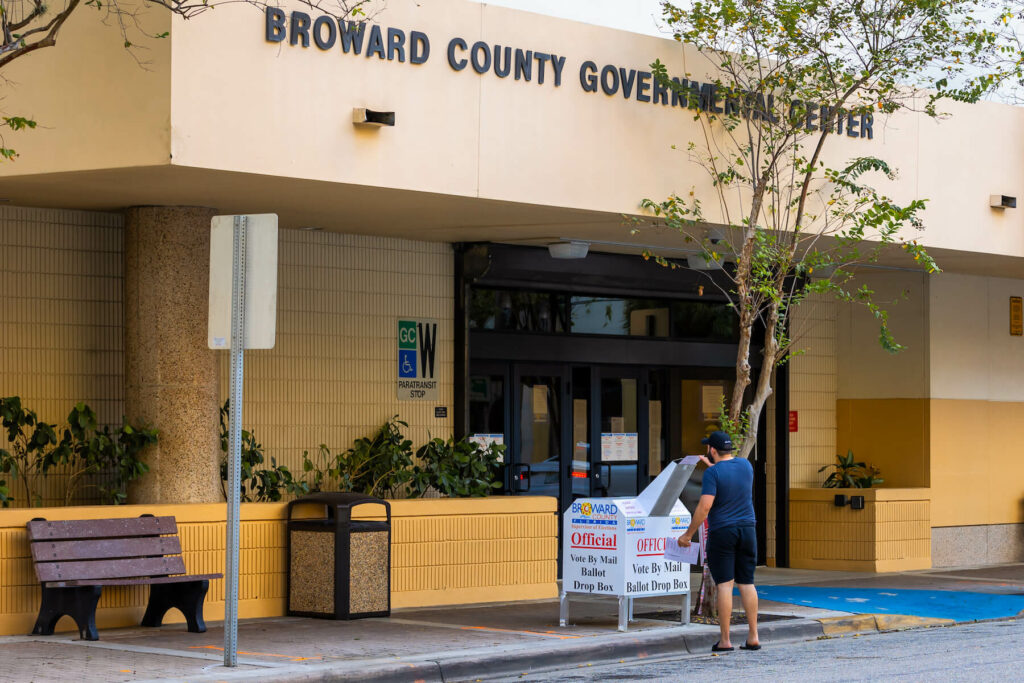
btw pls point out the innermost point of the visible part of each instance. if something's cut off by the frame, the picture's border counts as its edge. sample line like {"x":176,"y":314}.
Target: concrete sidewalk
{"x":459,"y":643}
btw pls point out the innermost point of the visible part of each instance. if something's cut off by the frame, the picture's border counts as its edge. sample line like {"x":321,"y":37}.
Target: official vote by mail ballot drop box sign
{"x":616,"y":546}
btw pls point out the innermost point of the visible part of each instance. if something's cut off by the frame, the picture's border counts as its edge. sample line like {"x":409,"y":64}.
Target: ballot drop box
{"x":616,"y":546}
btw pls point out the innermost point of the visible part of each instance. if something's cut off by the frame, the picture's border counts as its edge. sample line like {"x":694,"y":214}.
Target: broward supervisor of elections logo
{"x":417,"y":356}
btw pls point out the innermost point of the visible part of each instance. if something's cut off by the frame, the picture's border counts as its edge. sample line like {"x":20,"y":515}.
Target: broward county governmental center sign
{"x":392,"y":44}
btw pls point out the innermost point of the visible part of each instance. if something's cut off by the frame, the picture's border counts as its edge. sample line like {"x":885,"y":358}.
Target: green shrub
{"x":378,"y":466}
{"x":84,"y":448}
{"x":849,"y":474}
{"x":257,"y":484}
{"x":457,"y":468}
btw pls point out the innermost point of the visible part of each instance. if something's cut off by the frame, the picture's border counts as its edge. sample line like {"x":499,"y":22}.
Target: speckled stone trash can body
{"x":338,"y":568}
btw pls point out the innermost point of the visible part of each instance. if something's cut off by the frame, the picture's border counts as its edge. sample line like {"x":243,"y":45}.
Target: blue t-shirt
{"x":731,"y":482}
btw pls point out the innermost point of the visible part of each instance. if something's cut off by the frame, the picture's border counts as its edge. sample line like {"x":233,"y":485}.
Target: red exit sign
{"x":794,"y":421}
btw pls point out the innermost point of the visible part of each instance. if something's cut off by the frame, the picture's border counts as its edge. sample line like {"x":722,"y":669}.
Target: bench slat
{"x":140,"y":546}
{"x":133,"y":582}
{"x":101,"y":528}
{"x":109,"y":569}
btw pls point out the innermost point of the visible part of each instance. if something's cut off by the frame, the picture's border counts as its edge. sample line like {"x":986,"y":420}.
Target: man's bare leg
{"x":724,"y":611}
{"x":748,"y":596}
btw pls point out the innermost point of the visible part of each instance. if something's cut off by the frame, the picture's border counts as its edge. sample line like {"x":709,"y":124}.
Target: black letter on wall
{"x":419,"y":47}
{"x":351,"y":36}
{"x":456,"y":64}
{"x":376,"y":44}
{"x":300,"y":29}
{"x":588,"y":76}
{"x":275,"y":25}
{"x":332,"y":32}
{"x":396,"y":43}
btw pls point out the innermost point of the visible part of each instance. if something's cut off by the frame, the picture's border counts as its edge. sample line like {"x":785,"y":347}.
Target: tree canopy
{"x":781,"y":81}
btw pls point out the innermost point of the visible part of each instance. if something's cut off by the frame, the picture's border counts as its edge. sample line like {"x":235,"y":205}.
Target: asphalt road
{"x":977,"y":652}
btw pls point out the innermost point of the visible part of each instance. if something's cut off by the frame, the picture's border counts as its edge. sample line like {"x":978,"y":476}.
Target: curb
{"x":656,"y":643}
{"x":594,"y":649}
{"x":867,"y":623}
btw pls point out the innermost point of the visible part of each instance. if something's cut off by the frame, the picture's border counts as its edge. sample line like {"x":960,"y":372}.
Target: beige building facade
{"x":504,"y":141}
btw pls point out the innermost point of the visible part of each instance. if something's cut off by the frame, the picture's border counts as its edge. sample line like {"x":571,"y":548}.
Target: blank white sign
{"x":260,"y":281}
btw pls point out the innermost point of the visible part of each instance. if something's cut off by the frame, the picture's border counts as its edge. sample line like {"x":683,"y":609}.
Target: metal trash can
{"x":339,"y":568}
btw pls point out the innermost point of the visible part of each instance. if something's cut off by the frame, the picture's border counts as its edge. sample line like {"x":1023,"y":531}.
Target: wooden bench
{"x":75,"y":559}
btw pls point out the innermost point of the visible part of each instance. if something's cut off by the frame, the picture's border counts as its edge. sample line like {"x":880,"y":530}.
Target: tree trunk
{"x":763,"y":388}
{"x":744,"y":303}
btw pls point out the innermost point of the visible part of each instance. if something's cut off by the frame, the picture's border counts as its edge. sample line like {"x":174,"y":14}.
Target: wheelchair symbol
{"x":407,"y":364}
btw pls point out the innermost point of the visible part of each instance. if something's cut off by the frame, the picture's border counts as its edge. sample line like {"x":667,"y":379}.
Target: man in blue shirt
{"x":727,"y":501}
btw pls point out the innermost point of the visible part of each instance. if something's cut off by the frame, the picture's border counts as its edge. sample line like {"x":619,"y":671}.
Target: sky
{"x":638,"y":16}
{"x":642,"y":16}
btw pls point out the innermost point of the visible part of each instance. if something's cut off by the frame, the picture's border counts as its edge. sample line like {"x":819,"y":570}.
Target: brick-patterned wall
{"x":891,"y":533}
{"x":331,"y":377}
{"x":62,"y":318}
{"x":813,"y":391}
{"x":444,"y":552}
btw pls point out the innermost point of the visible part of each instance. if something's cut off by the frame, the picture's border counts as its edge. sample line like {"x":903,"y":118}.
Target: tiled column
{"x":170,"y":374}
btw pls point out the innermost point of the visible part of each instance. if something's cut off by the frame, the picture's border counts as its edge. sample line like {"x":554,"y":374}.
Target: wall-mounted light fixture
{"x":1002,"y":201}
{"x":855,"y":502}
{"x":698,"y":262}
{"x":361,"y":116}
{"x":568,"y":250}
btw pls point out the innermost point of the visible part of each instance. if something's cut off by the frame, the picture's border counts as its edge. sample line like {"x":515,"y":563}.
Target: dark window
{"x":487,"y":404}
{"x":521,"y":311}
{"x":611,"y":315}
{"x":512,"y":311}
{"x":712,"y":321}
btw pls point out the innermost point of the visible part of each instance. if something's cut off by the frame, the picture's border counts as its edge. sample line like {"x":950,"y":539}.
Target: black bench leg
{"x":187,"y":597}
{"x":79,"y":603}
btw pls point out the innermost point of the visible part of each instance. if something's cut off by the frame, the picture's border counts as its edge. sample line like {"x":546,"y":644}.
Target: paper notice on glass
{"x":675,"y":553}
{"x":711,"y":396}
{"x":619,"y":447}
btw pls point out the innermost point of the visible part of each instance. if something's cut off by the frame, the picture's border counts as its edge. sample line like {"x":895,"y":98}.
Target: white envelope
{"x":675,"y":553}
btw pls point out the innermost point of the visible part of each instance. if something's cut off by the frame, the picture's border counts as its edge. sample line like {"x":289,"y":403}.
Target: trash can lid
{"x":336,"y":499}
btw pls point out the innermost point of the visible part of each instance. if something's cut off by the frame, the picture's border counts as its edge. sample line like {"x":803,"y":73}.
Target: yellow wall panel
{"x":891,"y":434}
{"x":331,"y":376}
{"x":813,"y":387}
{"x":477,"y":550}
{"x":892,"y":532}
{"x":977,"y":468}
{"x":61,"y":324}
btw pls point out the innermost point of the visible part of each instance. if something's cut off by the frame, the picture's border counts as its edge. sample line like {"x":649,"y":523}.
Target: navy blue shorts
{"x":732,"y":554}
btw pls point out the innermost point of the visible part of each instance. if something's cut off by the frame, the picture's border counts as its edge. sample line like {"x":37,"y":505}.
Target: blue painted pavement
{"x":956,"y":605}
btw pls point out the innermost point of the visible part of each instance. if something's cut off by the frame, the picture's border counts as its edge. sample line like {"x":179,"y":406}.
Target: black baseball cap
{"x":720,"y":441}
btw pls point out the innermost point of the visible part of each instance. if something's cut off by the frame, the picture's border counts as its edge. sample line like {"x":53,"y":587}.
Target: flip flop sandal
{"x":748,"y":646}
{"x":716,"y":648}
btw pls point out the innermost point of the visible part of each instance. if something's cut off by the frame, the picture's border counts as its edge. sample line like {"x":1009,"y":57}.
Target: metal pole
{"x":235,"y":443}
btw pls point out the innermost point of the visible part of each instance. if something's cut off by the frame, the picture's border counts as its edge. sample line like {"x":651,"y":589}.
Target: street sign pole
{"x":235,"y":441}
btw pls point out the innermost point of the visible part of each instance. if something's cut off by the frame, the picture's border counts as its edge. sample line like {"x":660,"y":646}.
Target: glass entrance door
{"x":622,"y":438}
